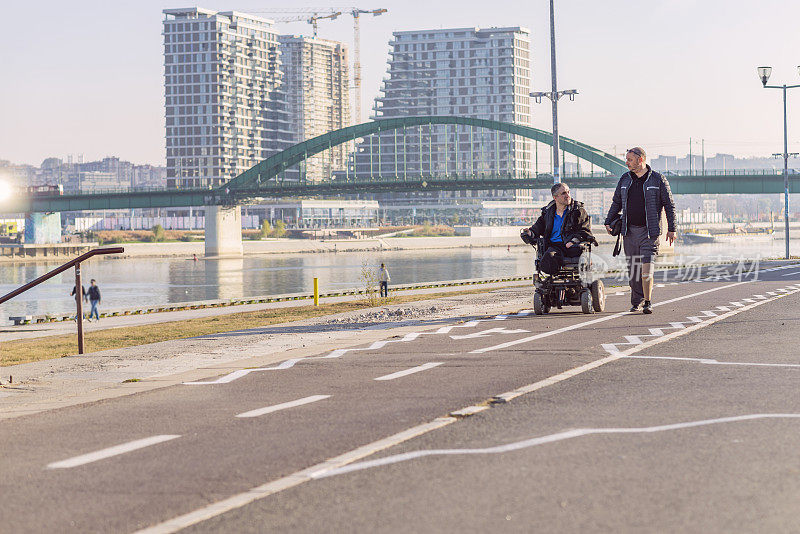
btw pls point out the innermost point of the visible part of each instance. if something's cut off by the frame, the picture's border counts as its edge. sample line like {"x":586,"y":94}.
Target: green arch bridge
{"x":267,"y":179}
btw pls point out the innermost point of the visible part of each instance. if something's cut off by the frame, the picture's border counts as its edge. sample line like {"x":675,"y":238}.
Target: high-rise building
{"x":225,"y":108}
{"x":470,"y":72}
{"x":316,"y":82}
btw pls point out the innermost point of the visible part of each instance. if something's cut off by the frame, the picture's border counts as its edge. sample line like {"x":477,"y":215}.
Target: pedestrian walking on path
{"x":83,"y":295}
{"x":383,"y":278}
{"x":94,"y":300}
{"x":639,"y":199}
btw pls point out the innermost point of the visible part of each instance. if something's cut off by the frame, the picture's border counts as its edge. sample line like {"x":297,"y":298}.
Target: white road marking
{"x":616,"y":355}
{"x":469,"y":410}
{"x":486,"y":333}
{"x":791,"y":273}
{"x":288,"y":364}
{"x":542,"y":440}
{"x":595,"y":321}
{"x":283,"y":406}
{"x":295,"y":479}
{"x":709,"y":361}
{"x":111,"y":451}
{"x":417,"y":369}
{"x":289,"y":481}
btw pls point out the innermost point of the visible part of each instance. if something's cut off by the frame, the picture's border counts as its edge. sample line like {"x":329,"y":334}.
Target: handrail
{"x":78,"y":286}
{"x":69,"y":264}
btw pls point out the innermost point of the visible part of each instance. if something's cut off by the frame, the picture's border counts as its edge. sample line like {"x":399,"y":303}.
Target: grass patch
{"x":46,"y":348}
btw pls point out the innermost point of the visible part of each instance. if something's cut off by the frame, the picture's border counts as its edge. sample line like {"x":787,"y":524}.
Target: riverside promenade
{"x":460,"y":413}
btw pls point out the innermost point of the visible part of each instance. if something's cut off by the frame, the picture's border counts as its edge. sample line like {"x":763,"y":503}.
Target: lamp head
{"x":764,"y":73}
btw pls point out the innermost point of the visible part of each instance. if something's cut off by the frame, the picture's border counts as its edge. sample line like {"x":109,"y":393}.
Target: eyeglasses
{"x":635,"y":151}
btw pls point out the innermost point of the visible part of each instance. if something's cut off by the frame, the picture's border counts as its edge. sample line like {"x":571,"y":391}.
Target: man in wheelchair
{"x":561,"y":234}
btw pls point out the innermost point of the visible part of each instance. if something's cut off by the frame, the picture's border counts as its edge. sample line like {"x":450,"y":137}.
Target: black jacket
{"x":93,"y":293}
{"x":577,"y":225}
{"x":657,"y":196}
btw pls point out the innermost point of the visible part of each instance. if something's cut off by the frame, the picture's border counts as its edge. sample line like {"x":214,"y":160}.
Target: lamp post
{"x":554,"y":95}
{"x":763,"y":74}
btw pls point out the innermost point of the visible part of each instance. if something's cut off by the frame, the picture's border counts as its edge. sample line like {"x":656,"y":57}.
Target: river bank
{"x":309,"y":246}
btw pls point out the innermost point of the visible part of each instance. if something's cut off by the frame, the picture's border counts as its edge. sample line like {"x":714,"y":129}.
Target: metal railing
{"x":78,"y":287}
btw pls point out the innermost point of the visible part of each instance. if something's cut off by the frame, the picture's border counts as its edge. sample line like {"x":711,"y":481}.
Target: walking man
{"x":641,"y":195}
{"x":83,"y":296}
{"x":94,"y":299}
{"x":383,"y":278}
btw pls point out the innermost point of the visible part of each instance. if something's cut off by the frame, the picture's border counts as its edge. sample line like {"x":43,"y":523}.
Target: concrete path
{"x":683,"y":420}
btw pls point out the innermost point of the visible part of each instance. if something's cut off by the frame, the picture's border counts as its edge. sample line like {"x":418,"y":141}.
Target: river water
{"x":135,"y":282}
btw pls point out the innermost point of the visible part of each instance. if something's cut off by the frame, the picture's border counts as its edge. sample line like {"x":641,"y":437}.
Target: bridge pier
{"x":42,"y":228}
{"x":223,"y":231}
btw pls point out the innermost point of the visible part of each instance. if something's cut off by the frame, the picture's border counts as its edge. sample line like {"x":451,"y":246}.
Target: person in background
{"x":83,"y":294}
{"x":383,"y":278}
{"x":94,"y":299}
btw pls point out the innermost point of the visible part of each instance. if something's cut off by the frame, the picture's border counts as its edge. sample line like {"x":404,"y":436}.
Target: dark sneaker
{"x":647,"y":308}
{"x":635,"y":307}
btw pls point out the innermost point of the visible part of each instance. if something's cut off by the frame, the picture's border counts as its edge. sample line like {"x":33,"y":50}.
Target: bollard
{"x":316,"y":291}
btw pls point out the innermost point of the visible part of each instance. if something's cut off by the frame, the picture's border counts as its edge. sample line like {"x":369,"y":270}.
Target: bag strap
{"x":617,"y":247}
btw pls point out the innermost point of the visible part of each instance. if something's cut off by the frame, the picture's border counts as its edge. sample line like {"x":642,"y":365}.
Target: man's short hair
{"x":555,"y":187}
{"x":639,"y":151}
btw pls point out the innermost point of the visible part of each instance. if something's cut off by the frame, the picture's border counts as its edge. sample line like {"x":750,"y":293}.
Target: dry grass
{"x":45,"y":348}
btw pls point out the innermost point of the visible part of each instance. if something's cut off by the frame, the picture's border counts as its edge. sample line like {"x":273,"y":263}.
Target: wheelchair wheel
{"x":598,"y":296}
{"x":540,"y":304}
{"x":586,"y":301}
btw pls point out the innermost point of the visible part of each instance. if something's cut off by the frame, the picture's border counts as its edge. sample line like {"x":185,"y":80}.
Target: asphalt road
{"x":684,"y":420}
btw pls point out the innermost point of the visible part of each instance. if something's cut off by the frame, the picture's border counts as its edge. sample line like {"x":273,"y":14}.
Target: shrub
{"x":266,"y":229}
{"x":158,"y":233}
{"x":280,"y":229}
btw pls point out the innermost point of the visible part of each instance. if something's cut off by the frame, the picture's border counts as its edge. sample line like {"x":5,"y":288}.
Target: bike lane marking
{"x":283,"y":406}
{"x":542,"y":440}
{"x":111,"y":451}
{"x":595,"y":321}
{"x":411,"y":371}
{"x":316,"y":471}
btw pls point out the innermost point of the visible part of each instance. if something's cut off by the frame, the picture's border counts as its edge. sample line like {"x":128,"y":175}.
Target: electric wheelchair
{"x":572,"y":285}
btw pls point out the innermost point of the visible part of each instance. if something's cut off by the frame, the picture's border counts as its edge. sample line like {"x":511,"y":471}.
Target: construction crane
{"x":333,"y":14}
{"x":313,"y":19}
{"x":357,"y":54}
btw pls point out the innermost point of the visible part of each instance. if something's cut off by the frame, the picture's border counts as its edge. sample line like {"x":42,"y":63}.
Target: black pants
{"x":553,"y":258}
{"x":384,"y":289}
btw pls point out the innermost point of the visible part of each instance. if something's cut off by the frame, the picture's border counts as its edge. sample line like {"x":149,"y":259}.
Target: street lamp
{"x":554,"y":95}
{"x":764,"y":74}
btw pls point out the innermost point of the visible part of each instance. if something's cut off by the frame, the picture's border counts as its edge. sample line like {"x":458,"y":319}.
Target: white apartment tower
{"x":316,"y":82}
{"x":225,"y":107}
{"x":471,"y":72}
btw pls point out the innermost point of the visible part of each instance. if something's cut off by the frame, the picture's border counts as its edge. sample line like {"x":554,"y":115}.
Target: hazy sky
{"x":86,"y":77}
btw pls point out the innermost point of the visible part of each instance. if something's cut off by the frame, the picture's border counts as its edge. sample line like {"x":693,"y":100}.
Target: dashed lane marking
{"x":283,"y":406}
{"x":411,"y":371}
{"x":487,"y":333}
{"x":542,"y":440}
{"x":295,"y":479}
{"x":338,"y":353}
{"x":595,"y":321}
{"x":111,"y":451}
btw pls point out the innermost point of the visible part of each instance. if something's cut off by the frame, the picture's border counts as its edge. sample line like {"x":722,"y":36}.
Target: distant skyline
{"x":87,"y":77}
